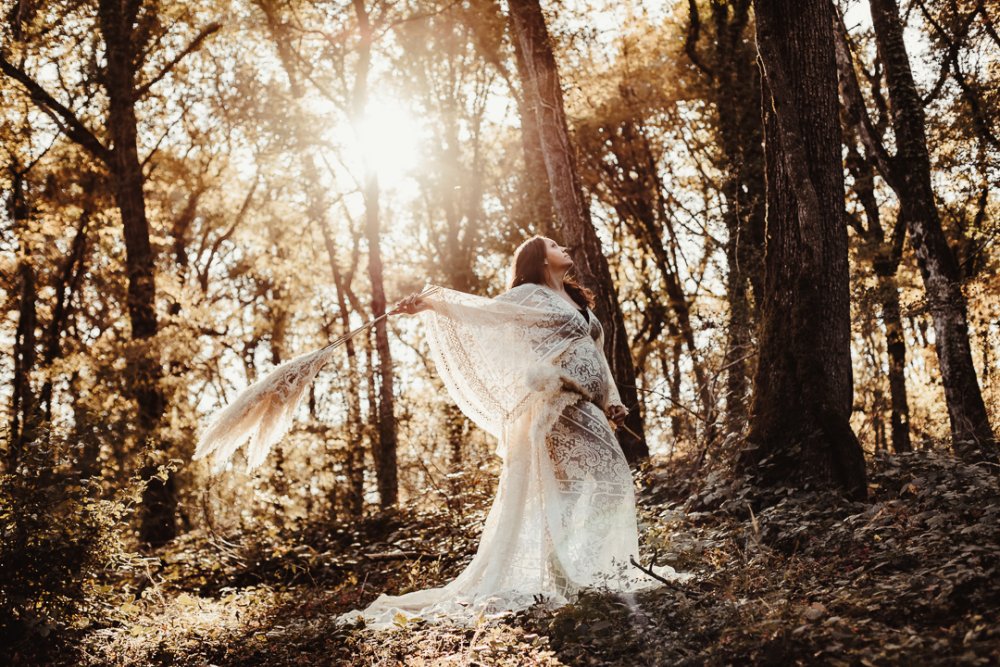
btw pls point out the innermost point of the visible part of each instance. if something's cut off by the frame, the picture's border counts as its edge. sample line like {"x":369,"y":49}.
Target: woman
{"x":529,"y":368}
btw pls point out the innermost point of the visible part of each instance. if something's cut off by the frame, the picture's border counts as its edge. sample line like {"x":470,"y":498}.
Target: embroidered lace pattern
{"x":530,"y":369}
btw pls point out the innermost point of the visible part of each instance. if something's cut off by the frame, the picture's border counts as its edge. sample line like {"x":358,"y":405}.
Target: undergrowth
{"x":907,"y":577}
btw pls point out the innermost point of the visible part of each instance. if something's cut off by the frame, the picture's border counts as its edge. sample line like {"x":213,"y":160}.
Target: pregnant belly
{"x":582,"y":364}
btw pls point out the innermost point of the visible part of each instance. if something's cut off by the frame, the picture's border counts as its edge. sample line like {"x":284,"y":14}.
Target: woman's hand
{"x":410,"y":305}
{"x":617,"y":414}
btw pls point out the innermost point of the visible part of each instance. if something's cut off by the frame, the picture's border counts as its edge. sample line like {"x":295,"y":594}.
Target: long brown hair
{"x":529,"y":267}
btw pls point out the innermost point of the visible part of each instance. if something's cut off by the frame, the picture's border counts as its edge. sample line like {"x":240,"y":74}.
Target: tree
{"x":572,"y":212}
{"x":733,"y":87}
{"x":909,"y":174}
{"x":126,"y":40}
{"x":385,"y":453}
{"x":625,"y":174}
{"x":24,"y":412}
{"x":802,"y":389}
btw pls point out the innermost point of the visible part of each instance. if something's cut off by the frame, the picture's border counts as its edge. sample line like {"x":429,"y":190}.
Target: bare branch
{"x":854,"y":104}
{"x":67,"y":121}
{"x":205,"y":33}
{"x":954,"y":46}
{"x":969,"y":94}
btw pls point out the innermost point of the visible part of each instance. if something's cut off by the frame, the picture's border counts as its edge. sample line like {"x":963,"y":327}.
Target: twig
{"x":654,"y":575}
{"x":400,"y":555}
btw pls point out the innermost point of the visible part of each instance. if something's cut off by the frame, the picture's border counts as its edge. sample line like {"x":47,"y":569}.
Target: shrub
{"x":59,"y":531}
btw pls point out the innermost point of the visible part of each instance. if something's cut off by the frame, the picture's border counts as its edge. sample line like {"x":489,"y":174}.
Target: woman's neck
{"x":554,"y":280}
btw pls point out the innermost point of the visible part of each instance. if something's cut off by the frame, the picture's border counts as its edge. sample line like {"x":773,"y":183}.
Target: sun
{"x":388,"y":140}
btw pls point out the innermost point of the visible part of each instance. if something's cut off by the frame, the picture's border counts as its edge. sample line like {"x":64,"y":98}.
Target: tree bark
{"x":972,"y":435}
{"x":116,"y":21}
{"x":537,"y":200}
{"x":896,"y":352}
{"x":573,"y":215}
{"x":736,"y":87}
{"x":802,"y":394}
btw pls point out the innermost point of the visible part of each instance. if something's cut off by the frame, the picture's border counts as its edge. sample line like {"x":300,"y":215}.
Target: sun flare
{"x":389,"y":141}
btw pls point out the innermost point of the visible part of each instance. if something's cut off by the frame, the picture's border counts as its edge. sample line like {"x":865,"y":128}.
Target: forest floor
{"x":909,"y":577}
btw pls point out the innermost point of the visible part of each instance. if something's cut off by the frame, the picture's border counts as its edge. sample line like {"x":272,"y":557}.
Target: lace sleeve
{"x":487,"y":350}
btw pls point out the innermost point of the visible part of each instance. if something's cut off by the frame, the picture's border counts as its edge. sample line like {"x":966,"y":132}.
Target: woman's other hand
{"x":617,"y":414}
{"x":410,"y":305}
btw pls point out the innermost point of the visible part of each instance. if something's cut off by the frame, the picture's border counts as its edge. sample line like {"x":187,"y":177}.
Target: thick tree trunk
{"x":537,"y":200}
{"x":802,"y":394}
{"x":573,"y":215}
{"x":972,"y":436}
{"x":116,"y":20}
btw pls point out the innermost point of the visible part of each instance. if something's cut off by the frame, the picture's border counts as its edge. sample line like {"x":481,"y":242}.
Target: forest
{"x":787,"y":212}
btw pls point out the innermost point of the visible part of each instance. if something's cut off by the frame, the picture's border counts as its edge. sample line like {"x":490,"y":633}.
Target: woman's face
{"x":556,"y":256}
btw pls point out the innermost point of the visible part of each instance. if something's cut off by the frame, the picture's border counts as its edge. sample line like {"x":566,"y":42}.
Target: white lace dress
{"x":530,"y":369}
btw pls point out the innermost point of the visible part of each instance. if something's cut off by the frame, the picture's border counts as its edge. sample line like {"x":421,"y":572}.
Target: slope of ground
{"x":783,"y":578}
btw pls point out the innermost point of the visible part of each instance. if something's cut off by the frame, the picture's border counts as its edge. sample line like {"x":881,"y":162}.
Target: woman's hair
{"x":529,"y":267}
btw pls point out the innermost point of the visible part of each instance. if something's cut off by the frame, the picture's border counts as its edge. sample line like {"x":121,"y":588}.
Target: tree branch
{"x":971,"y":97}
{"x":205,"y":33}
{"x":67,"y":121}
{"x":954,"y":46}
{"x":988,"y":26}
{"x":854,"y":104}
{"x":691,"y":41}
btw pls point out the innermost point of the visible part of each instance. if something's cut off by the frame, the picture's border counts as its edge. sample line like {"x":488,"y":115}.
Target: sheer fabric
{"x":530,"y":369}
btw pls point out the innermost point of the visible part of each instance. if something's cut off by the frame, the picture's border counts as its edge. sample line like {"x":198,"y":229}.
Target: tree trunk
{"x":885,"y":262}
{"x":896,"y":352}
{"x":573,"y":215}
{"x":885,"y":256}
{"x":354,"y":459}
{"x":640,"y":204}
{"x":23,"y":408}
{"x":735,"y":89}
{"x":116,"y":20}
{"x":678,"y":420}
{"x":69,"y":284}
{"x":537,"y":200}
{"x":972,"y":436}
{"x":24,"y":422}
{"x":385,"y":451}
{"x":737,"y":340}
{"x":385,"y":459}
{"x":802,"y":395}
